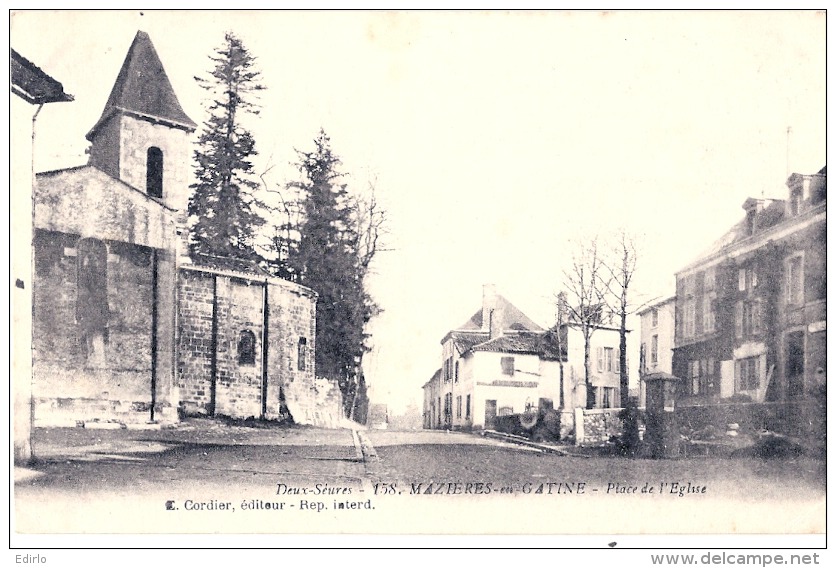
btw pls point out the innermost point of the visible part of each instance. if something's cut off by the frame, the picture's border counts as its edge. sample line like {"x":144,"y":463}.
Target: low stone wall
{"x":790,"y":418}
{"x":323,"y":406}
{"x":599,"y":425}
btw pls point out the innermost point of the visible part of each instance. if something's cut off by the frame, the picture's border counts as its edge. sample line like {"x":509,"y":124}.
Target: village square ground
{"x":207,"y":475}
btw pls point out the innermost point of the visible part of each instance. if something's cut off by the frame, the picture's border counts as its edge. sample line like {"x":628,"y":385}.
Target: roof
{"x":435,"y":377}
{"x":656,"y":304}
{"x":464,"y":340}
{"x":142,"y":89}
{"x":228,"y":264}
{"x":771,"y":214}
{"x":535,"y":343}
{"x":522,"y":343}
{"x":32,"y":84}
{"x":93,"y":170}
{"x":514,"y":318}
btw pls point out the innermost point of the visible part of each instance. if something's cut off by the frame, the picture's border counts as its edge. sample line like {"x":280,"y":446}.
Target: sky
{"x":493,"y":139}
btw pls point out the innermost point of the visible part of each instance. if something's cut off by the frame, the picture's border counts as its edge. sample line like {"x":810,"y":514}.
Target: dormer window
{"x":750,"y":221}
{"x":154,"y":173}
{"x":796,"y":195}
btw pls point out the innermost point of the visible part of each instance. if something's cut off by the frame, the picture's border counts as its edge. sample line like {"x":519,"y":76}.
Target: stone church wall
{"x":91,"y":362}
{"x":237,"y":303}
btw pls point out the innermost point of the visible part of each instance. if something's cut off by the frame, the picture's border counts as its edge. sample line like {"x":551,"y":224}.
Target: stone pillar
{"x":579,"y":430}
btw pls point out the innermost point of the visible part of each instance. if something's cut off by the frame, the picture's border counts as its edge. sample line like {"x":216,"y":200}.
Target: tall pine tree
{"x":326,"y":257}
{"x":223,"y":205}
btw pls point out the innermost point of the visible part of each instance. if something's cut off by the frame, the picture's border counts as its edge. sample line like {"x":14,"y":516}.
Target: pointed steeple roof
{"x":142,"y":89}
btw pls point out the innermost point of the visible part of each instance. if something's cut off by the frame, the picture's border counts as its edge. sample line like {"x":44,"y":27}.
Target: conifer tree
{"x":223,"y":205}
{"x":330,"y":254}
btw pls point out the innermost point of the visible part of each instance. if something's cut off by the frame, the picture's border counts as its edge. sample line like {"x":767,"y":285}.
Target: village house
{"x":128,"y":326}
{"x":658,"y":324}
{"x":501,"y":362}
{"x":751,"y":312}
{"x":33,"y":88}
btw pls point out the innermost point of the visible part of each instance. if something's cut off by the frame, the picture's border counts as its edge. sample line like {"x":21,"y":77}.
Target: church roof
{"x":143,"y":89}
{"x":228,"y":263}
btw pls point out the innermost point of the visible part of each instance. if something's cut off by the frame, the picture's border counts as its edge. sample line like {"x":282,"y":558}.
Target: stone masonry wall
{"x":238,"y":387}
{"x":137,"y":136}
{"x":78,"y":379}
{"x":600,"y":424}
{"x":194,"y":362}
{"x":291,"y":386}
{"x":292,"y":315}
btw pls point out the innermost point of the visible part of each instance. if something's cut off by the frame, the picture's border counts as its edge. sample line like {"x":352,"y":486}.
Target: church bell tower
{"x":142,"y":136}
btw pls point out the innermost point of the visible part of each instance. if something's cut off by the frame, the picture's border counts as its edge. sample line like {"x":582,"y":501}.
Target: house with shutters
{"x":128,"y":326}
{"x":750,"y":313}
{"x":501,"y":362}
{"x":657,"y":340}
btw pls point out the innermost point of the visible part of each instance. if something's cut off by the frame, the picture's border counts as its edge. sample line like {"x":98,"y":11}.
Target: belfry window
{"x":154,"y":172}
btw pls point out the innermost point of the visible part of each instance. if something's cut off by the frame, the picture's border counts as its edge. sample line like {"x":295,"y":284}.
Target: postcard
{"x":549,"y":275}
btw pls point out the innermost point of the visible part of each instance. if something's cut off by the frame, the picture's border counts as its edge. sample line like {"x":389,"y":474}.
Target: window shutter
{"x":738,"y":319}
{"x":600,"y":352}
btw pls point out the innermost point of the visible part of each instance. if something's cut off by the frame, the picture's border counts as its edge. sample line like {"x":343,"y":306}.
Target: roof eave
{"x":110,"y":112}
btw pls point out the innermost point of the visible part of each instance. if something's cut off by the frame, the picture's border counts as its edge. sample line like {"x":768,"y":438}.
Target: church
{"x":128,"y":327}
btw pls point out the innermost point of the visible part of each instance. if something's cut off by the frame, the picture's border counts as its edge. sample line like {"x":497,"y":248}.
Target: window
{"x":689,"y":317}
{"x":688,"y":285}
{"x":747,"y":374}
{"x":608,"y":397}
{"x":747,"y":278}
{"x":795,"y":201}
{"x":600,"y":358}
{"x":609,"y":359}
{"x":591,"y":396}
{"x":467,"y":407}
{"x":795,"y":280}
{"x":246,"y":348}
{"x":709,"y":279}
{"x":154,"y":172}
{"x":747,"y":318}
{"x":756,"y":316}
{"x":654,"y":350}
{"x":507,"y":365}
{"x":701,"y":374}
{"x":708,"y":313}
{"x":458,"y":406}
{"x":643,"y":358}
{"x":654,"y":317}
{"x":302,"y":353}
{"x":457,"y":372}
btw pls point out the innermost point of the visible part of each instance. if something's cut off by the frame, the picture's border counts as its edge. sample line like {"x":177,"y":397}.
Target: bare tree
{"x":621,"y":268}
{"x":585,"y":283}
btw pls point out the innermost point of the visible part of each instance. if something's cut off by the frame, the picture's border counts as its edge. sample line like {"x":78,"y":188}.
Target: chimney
{"x":561,"y":308}
{"x":492,"y":319}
